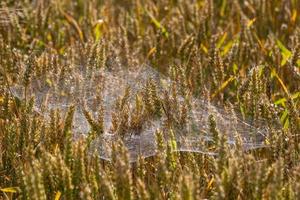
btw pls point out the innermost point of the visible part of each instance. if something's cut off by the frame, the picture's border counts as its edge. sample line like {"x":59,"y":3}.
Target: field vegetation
{"x":238,"y":55}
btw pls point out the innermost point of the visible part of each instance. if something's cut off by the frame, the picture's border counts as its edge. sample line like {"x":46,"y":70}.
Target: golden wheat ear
{"x":8,"y":16}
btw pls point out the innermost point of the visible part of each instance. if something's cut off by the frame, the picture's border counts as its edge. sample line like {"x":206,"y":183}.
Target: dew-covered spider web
{"x":86,"y":88}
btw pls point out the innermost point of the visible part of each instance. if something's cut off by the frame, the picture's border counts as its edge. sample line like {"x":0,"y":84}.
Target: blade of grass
{"x":151,"y":52}
{"x":286,"y":54}
{"x":283,"y":100}
{"x":260,"y":42}
{"x":294,"y":16}
{"x":98,"y":30}
{"x":221,"y":40}
{"x":204,"y":48}
{"x":223,"y":7}
{"x":283,"y":86}
{"x":222,"y":87}
{"x":251,"y":22}
{"x":9,"y":189}
{"x":73,"y":23}
{"x":210,"y":183}
{"x":157,"y":24}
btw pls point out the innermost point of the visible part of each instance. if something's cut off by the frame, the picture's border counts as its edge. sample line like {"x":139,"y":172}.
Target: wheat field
{"x":139,"y":99}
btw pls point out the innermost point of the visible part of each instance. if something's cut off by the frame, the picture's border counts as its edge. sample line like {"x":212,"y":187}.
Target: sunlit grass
{"x":241,"y":57}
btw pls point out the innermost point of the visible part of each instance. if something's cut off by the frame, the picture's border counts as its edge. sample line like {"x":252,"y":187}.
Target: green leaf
{"x":227,"y":47}
{"x":286,"y":54}
{"x":158,"y":25}
{"x":223,"y":7}
{"x":221,"y":40}
{"x":283,"y":116}
{"x":98,"y":30}
{"x":235,"y":68}
{"x":284,"y":119}
{"x":286,"y":124}
{"x":283,"y":100}
{"x":283,"y":49}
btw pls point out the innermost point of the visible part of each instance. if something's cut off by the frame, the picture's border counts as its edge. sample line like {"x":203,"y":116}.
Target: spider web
{"x":78,"y":85}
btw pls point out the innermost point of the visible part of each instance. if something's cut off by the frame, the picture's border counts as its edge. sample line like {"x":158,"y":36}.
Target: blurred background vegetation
{"x":231,"y":52}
